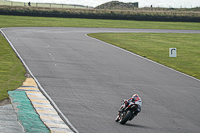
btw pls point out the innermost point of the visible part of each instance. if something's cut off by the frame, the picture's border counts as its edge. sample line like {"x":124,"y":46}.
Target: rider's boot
{"x":121,"y":110}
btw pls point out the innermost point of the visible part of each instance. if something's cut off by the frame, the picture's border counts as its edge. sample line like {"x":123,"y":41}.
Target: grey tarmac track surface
{"x":87,"y":79}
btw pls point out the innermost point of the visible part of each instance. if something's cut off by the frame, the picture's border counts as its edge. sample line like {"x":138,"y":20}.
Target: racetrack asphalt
{"x":87,"y":79}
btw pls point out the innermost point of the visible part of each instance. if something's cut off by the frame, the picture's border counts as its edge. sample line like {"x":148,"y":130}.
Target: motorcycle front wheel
{"x":117,"y":118}
{"x":126,"y":117}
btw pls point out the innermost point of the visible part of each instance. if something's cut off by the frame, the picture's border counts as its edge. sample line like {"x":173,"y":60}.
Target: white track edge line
{"x":43,"y":91}
{"x":144,"y":57}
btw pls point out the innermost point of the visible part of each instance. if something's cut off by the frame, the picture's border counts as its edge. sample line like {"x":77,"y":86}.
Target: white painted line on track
{"x":51,"y":56}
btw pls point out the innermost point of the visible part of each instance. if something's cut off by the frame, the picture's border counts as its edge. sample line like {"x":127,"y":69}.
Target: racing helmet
{"x":135,"y":96}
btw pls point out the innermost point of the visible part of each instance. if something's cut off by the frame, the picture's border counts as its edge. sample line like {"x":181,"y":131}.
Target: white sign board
{"x":172,"y":52}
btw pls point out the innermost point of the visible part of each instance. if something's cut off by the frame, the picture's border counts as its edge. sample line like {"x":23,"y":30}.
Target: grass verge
{"x":155,"y":46}
{"x":11,"y":69}
{"x":22,"y":21}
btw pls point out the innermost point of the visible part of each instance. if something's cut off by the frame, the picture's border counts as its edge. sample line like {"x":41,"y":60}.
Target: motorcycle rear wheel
{"x":126,"y":117}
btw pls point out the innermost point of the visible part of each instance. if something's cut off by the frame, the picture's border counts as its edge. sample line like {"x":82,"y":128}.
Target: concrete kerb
{"x":70,"y":126}
{"x":8,"y":120}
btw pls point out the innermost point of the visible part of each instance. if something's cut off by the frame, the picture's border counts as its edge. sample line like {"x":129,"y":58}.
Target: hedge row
{"x":97,"y":15}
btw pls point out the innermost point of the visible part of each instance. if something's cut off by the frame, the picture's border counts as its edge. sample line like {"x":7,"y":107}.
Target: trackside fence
{"x":48,"y":5}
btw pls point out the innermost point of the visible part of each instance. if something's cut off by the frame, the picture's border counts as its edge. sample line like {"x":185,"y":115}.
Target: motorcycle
{"x":126,"y":113}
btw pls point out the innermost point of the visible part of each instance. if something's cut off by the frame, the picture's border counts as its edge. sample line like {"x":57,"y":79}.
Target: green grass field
{"x":20,"y":21}
{"x":12,"y":72}
{"x":153,"y":46}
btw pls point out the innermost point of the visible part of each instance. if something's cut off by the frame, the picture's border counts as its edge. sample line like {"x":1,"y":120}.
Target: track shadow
{"x":138,"y":126}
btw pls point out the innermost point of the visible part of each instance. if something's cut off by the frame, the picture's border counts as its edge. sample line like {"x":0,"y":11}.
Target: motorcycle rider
{"x":134,"y":99}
